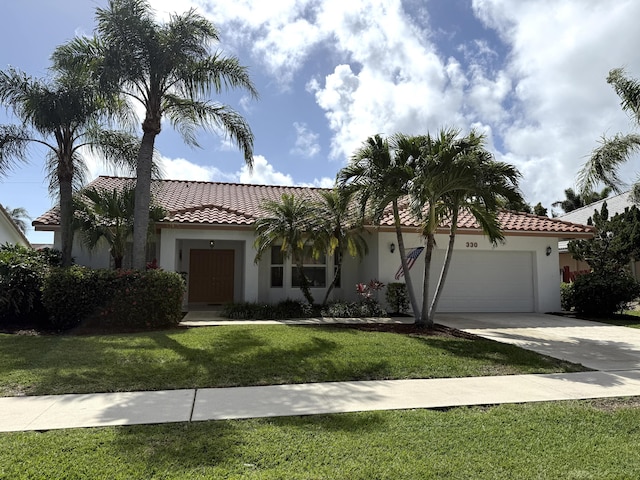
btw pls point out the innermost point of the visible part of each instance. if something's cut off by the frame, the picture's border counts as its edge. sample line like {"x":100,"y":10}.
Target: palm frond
{"x":605,"y":160}
{"x":628,"y":89}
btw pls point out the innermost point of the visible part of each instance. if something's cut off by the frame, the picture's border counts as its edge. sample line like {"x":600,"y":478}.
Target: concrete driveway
{"x":592,"y":344}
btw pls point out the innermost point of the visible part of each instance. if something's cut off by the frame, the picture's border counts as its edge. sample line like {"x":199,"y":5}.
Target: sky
{"x":531,"y":75}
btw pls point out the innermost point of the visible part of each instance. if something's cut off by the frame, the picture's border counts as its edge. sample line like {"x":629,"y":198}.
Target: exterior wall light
{"x":212,"y":243}
{"x":548,"y":250}
{"x":392,"y":247}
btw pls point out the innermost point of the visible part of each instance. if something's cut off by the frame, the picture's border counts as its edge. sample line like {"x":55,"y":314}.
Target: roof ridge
{"x":207,"y":182}
{"x":195,"y":208}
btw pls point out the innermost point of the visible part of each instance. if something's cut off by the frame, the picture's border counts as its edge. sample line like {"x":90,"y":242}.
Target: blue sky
{"x":530,"y":74}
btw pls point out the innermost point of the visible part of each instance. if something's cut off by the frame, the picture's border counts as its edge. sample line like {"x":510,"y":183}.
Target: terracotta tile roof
{"x":212,"y":203}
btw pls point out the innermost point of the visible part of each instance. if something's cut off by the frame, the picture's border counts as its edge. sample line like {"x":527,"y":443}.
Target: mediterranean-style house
{"x":208,"y":236}
{"x":9,"y":231}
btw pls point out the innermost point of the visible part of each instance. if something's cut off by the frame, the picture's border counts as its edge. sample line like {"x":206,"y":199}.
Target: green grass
{"x":630,"y":318}
{"x":567,"y":440}
{"x":247,"y":355}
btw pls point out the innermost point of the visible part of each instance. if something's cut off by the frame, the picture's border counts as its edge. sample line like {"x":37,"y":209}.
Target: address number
{"x":472,"y":244}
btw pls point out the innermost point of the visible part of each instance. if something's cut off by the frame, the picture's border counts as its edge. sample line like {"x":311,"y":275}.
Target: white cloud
{"x":560,"y":55}
{"x":545,"y":104}
{"x":324,"y":182}
{"x":263,"y":173}
{"x":306,"y":141}
{"x":182,"y":169}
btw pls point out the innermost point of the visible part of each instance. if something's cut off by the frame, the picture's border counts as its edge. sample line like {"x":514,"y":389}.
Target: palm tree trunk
{"x":425,"y":321}
{"x":332,"y":285}
{"x":66,"y":217}
{"x":403,"y":262}
{"x":445,"y":268}
{"x":142,"y":199}
{"x":304,"y":284}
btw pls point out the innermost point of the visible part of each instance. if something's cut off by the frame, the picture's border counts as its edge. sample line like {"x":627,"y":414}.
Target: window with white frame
{"x":277,"y":267}
{"x":315,"y":269}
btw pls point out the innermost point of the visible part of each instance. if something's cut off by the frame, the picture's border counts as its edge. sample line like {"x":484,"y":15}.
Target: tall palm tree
{"x":62,"y":114}
{"x":108,"y":215}
{"x":455,"y":173}
{"x":291,"y":223}
{"x":603,"y":165}
{"x":169,"y":70}
{"x":380,"y":173}
{"x":339,"y":231}
{"x":18,"y":216}
{"x":489,"y":184}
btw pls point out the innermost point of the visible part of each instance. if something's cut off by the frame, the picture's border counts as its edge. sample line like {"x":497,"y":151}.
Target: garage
{"x":486,"y":281}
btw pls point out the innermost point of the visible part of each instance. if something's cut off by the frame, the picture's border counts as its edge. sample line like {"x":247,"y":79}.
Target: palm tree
{"x":455,"y":173}
{"x":62,"y":114}
{"x":291,"y":223}
{"x":379,"y":173}
{"x":339,"y":233}
{"x":169,"y":70}
{"x":108,"y":215}
{"x":612,"y":152}
{"x":18,"y":216}
{"x":574,"y":200}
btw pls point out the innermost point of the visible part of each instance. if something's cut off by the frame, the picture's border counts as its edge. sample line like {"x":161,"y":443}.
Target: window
{"x":277,"y":267}
{"x":315,"y":269}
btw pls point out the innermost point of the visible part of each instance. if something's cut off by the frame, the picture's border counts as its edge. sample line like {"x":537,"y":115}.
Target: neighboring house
{"x":9,"y":231}
{"x":208,"y":235}
{"x":569,"y":266}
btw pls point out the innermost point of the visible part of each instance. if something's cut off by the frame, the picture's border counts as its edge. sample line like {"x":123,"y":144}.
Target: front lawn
{"x":569,"y":440}
{"x":247,"y":355}
{"x":630,"y":318}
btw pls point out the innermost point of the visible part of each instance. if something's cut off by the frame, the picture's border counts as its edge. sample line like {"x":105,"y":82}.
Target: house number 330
{"x":472,"y":244}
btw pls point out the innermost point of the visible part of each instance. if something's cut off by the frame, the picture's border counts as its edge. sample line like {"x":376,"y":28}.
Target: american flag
{"x":412,"y":256}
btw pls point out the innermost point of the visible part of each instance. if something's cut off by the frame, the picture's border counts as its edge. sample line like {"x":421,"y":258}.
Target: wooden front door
{"x":211,"y":276}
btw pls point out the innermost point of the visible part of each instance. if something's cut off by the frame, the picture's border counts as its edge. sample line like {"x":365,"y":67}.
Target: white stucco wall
{"x":9,"y":233}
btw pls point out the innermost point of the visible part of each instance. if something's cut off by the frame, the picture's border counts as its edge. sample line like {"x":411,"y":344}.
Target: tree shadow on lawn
{"x":242,"y":358}
{"x":237,"y":357}
{"x":514,"y":358}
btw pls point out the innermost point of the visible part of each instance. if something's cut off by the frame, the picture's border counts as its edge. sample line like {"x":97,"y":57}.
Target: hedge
{"x":22,"y":274}
{"x":113,"y":298}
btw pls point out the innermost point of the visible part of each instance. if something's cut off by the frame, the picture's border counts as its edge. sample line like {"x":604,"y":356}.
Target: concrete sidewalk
{"x":131,"y":408}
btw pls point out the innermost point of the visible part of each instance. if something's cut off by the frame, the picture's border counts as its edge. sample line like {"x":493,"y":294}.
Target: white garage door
{"x":486,"y":281}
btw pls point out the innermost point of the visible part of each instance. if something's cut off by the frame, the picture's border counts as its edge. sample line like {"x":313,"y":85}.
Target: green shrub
{"x":601,"y":294}
{"x":74,"y":294}
{"x":566,"y":296}
{"x":262,"y":311}
{"x":294,"y":309}
{"x":397,"y":298}
{"x":342,"y":309}
{"x":22,"y":274}
{"x":152,"y":298}
{"x":113,"y":298}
